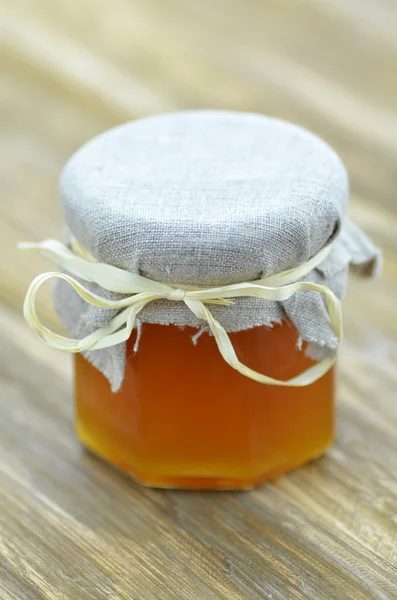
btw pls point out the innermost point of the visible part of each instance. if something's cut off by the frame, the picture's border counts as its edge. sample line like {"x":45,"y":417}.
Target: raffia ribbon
{"x":139,"y":291}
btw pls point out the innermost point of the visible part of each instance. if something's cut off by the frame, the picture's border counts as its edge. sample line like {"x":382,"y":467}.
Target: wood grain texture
{"x":72,"y":528}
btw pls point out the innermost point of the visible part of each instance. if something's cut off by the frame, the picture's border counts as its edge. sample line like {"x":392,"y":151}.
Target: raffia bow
{"x":139,"y":291}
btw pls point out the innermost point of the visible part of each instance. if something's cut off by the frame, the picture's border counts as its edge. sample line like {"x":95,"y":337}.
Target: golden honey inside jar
{"x":184,"y":418}
{"x":201,"y":289}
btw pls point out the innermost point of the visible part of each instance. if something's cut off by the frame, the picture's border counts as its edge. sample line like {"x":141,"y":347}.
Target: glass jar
{"x":219,"y":219}
{"x":184,"y":418}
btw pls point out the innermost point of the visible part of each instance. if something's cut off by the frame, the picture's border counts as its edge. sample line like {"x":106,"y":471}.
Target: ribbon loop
{"x":138,"y":291}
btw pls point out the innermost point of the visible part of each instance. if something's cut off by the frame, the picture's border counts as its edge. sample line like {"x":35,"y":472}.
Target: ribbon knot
{"x":176,"y":295}
{"x":138,"y":291}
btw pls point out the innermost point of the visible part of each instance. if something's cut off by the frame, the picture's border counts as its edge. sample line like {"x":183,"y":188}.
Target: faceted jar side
{"x":185,"y":419}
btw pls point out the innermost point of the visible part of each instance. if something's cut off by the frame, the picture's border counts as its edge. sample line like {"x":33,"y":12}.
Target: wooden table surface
{"x":70,"y":526}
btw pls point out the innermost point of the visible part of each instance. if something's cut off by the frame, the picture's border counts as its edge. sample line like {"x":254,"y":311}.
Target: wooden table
{"x":71,"y":528}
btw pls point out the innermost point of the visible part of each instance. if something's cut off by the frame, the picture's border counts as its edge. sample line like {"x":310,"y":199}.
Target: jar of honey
{"x":201,"y":288}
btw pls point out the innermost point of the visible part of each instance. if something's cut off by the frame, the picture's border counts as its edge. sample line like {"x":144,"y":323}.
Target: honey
{"x":184,"y":418}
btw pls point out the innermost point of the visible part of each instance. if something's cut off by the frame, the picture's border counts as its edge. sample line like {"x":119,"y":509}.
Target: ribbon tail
{"x":228,"y":353}
{"x":128,"y":317}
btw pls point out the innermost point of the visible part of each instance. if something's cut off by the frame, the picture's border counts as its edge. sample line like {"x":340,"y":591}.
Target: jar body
{"x":184,"y":418}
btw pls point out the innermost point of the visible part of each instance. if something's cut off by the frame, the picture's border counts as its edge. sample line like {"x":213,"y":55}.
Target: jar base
{"x":195,"y":482}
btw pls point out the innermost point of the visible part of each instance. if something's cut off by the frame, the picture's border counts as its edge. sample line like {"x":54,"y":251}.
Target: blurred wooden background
{"x":71,"y":527}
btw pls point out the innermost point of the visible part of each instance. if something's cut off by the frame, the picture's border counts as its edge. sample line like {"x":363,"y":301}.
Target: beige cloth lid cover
{"x":210,"y":198}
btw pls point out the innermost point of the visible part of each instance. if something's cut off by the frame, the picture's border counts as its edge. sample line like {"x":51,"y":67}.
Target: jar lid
{"x":204,"y":197}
